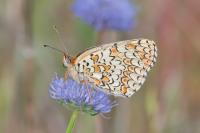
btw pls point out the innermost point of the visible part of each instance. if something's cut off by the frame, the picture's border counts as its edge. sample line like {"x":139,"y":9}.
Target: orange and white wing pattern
{"x":118,"y":68}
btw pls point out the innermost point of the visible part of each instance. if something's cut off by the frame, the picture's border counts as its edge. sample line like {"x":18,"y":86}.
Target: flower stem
{"x":72,"y":122}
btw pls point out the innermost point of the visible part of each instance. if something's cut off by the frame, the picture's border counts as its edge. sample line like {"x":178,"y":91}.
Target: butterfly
{"x":118,"y":68}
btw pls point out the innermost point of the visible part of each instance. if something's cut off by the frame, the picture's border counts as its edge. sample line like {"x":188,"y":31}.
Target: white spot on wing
{"x":131,"y":84}
{"x":129,"y":54}
{"x":137,"y":87}
{"x":116,"y":83}
{"x":137,"y":62}
{"x":97,"y":75}
{"x":134,"y":76}
{"x":116,"y":72}
{"x":115,"y":77}
{"x":121,"y":48}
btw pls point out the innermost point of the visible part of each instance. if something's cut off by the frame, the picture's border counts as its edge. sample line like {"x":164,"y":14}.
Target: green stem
{"x":72,"y":122}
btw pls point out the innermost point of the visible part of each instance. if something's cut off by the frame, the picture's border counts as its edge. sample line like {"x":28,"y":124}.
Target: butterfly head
{"x":66,"y":60}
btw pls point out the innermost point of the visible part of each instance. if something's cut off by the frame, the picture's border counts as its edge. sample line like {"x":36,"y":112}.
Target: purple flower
{"x":106,"y":14}
{"x":80,"y":96}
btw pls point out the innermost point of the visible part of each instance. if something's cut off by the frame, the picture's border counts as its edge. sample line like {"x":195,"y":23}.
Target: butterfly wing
{"x":118,"y":68}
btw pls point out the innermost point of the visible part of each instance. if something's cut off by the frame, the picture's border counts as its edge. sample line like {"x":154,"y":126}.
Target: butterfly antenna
{"x":60,"y":39}
{"x":51,"y":47}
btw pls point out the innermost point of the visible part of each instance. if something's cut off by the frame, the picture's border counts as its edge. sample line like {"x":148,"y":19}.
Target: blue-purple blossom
{"x":106,"y":14}
{"x":80,"y":96}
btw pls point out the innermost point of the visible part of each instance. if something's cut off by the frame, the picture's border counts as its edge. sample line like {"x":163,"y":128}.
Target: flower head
{"x":106,"y":14}
{"x":80,"y":96}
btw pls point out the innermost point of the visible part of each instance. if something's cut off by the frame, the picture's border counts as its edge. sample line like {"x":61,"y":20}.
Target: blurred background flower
{"x":81,"y":97}
{"x":106,"y":14}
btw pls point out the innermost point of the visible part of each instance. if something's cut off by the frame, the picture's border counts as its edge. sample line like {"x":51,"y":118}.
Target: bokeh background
{"x":169,"y":101}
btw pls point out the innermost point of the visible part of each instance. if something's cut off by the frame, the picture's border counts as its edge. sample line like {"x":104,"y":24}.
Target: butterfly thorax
{"x":71,"y":72}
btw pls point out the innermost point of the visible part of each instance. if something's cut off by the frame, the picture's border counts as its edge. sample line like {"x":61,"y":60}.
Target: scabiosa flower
{"x":80,"y":96}
{"x":106,"y":14}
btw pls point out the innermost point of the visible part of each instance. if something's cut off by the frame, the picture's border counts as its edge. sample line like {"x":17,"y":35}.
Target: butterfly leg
{"x":106,"y":84}
{"x":65,"y":75}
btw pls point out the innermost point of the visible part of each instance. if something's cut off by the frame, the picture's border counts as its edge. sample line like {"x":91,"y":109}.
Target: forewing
{"x":118,"y":68}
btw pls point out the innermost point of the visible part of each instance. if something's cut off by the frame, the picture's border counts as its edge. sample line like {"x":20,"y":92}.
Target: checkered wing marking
{"x":118,"y":68}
